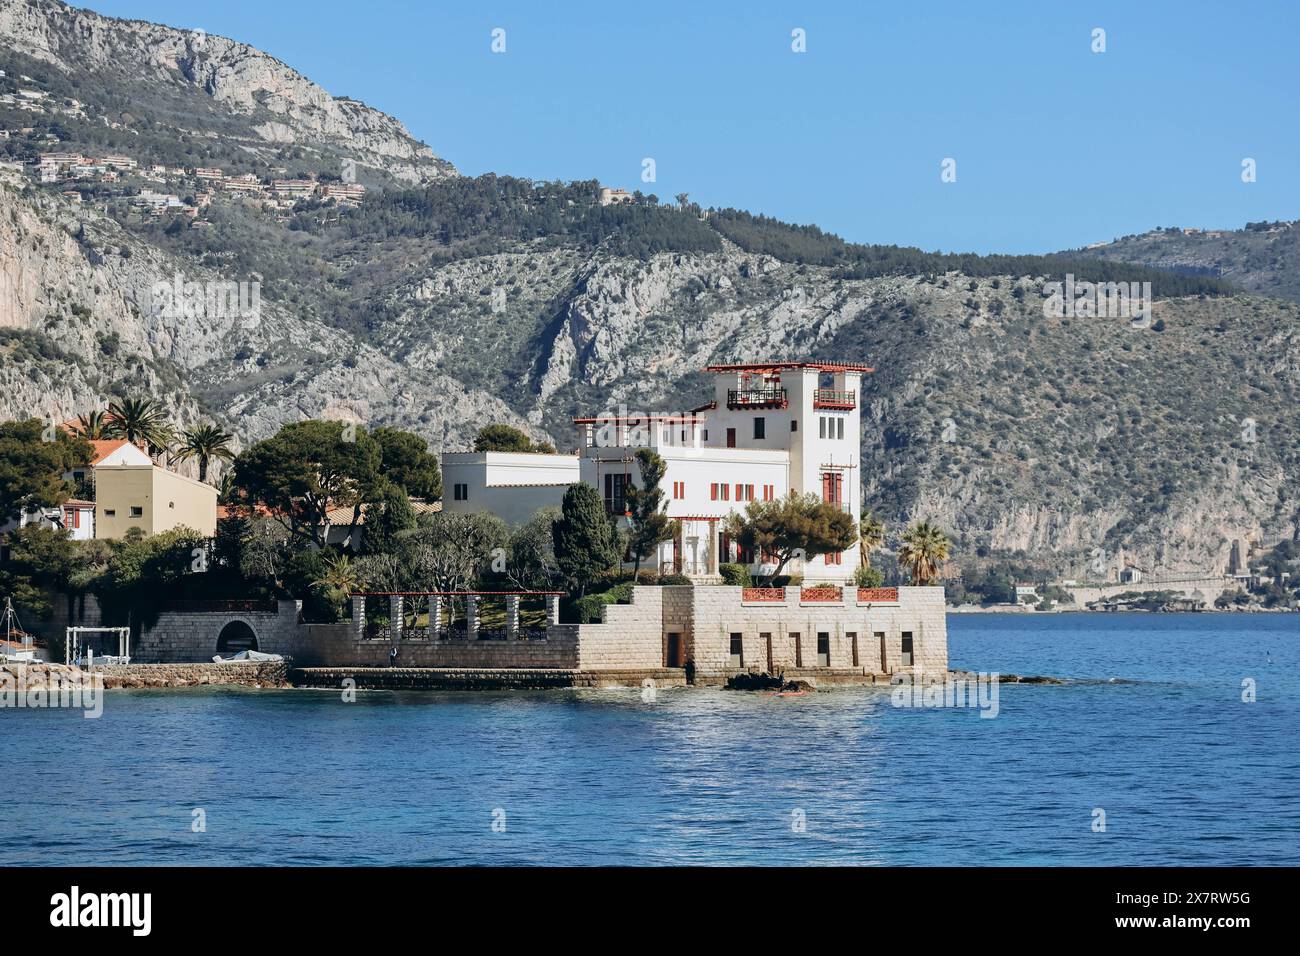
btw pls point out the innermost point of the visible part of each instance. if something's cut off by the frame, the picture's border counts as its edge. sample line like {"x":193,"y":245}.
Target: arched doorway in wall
{"x":235,"y":637}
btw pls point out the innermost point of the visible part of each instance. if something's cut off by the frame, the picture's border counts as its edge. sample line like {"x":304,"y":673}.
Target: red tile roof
{"x":105,"y":447}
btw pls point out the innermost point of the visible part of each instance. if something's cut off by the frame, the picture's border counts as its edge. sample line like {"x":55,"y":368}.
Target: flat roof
{"x":648,"y":417}
{"x":779,"y":366}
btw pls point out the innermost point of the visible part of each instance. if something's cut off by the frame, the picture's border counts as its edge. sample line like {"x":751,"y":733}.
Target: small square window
{"x":137,"y":512}
{"x":794,"y":424}
{"x":110,"y":513}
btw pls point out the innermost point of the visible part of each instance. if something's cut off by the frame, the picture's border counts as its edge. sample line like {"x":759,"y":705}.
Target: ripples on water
{"x":1185,"y":771}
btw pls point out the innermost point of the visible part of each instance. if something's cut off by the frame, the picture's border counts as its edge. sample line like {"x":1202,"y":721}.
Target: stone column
{"x":512,"y":617}
{"x":435,"y":615}
{"x":471,"y":616}
{"x":552,"y":609}
{"x":358,"y":617}
{"x":395,"y":617}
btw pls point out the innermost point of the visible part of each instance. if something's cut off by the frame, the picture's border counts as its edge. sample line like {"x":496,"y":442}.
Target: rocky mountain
{"x":442,"y":303}
{"x":1263,"y":257}
{"x":208,"y":99}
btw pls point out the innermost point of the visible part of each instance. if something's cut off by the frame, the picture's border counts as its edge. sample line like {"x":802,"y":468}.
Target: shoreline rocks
{"x":255,"y":674}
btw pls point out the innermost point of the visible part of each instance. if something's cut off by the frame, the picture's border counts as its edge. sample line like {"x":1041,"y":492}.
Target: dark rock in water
{"x":754,"y":681}
{"x":1024,"y":679}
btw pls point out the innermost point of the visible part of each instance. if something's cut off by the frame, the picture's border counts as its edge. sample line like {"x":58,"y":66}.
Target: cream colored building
{"x":152,"y":499}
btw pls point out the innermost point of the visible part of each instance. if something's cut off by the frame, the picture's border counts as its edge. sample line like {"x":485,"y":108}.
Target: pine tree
{"x":650,"y":526}
{"x":585,"y":537}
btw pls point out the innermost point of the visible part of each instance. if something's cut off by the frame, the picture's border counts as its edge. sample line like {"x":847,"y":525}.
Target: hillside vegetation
{"x":443,"y":303}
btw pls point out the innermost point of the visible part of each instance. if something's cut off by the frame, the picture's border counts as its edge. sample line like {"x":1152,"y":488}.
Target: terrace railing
{"x":825,"y":592}
{"x":757,"y":398}
{"x":877,"y":595}
{"x":834,"y":398}
{"x":762,"y":595}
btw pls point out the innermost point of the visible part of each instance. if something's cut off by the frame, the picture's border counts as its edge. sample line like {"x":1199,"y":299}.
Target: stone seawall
{"x":725,"y":635}
{"x":336,"y":645}
{"x":182,"y":636}
{"x":241,"y":673}
{"x":475,"y":678}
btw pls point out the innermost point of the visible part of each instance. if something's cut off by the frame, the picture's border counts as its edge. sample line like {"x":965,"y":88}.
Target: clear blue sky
{"x":1056,"y":146}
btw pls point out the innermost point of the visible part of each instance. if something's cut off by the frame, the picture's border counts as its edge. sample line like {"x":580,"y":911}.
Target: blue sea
{"x":1149,"y":755}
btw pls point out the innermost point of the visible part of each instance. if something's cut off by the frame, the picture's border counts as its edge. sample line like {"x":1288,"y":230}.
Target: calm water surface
{"x":1185,"y":771}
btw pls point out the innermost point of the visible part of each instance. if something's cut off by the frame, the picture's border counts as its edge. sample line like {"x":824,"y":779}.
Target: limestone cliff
{"x":167,"y":73}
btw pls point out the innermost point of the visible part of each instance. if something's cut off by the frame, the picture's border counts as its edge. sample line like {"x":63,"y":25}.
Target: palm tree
{"x":924,"y":549}
{"x":93,"y":425}
{"x":340,"y":573}
{"x":205,"y":443}
{"x":140,"y":421}
{"x":871,"y":535}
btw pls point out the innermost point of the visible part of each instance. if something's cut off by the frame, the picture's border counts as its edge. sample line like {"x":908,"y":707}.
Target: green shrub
{"x":736,"y":575}
{"x":868,"y":577}
{"x":323,"y":605}
{"x":590,"y":609}
{"x":619,"y":593}
{"x":672,"y":579}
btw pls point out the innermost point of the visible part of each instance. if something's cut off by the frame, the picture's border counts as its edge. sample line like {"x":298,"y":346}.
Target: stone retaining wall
{"x":243,"y":673}
{"x":630,"y":636}
{"x":336,"y":645}
{"x":190,"y":636}
{"x":470,"y":678}
{"x":864,"y":639}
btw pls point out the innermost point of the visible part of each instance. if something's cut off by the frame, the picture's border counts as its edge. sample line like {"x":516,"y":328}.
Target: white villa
{"x":771,"y":428}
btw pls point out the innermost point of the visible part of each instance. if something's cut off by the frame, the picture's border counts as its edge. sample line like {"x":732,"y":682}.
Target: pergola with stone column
{"x":438,"y":601}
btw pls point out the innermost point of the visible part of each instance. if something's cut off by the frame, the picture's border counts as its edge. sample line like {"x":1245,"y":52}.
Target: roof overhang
{"x":782,"y":366}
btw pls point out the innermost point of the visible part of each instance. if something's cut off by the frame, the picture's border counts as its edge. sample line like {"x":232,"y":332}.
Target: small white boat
{"x":247,"y":656}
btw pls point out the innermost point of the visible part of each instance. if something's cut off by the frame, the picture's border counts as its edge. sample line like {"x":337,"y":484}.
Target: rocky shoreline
{"x":257,"y":674}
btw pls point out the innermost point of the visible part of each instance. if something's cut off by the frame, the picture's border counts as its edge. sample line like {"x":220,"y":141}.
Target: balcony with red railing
{"x":757,"y":398}
{"x":835,"y":398}
{"x":762,"y":595}
{"x":877,"y":595}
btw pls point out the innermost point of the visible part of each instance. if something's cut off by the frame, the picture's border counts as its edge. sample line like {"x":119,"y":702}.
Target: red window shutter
{"x":713,"y":491}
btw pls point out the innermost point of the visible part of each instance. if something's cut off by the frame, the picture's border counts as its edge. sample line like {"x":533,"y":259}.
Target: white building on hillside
{"x":771,"y":428}
{"x":75,"y":516}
